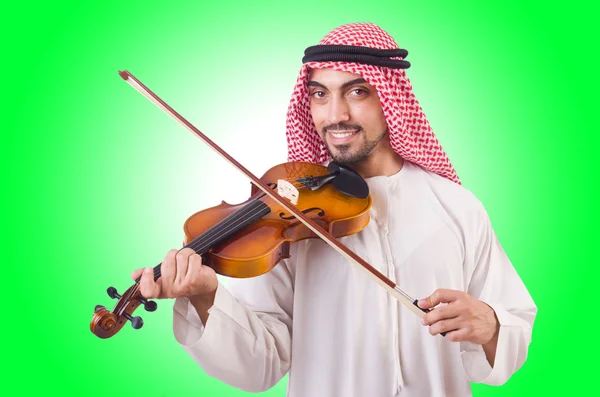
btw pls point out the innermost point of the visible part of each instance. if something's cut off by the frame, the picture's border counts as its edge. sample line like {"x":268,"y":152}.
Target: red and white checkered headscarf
{"x":410,"y":134}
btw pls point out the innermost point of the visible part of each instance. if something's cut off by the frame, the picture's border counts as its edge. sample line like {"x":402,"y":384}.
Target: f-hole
{"x":306,"y":211}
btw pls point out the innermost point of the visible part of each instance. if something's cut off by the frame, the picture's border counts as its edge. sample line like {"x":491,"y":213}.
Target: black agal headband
{"x":348,"y":53}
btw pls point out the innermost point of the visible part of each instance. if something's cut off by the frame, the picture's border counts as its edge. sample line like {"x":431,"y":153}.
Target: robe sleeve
{"x":495,"y":281}
{"x":246,"y":342}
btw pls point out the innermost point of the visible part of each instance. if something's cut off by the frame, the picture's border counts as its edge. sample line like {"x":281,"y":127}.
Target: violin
{"x":291,"y":202}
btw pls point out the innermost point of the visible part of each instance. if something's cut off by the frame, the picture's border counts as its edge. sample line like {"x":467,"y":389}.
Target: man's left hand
{"x":464,"y":318}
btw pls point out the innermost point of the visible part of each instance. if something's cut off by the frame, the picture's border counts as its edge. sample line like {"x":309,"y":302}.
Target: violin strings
{"x":208,"y":238}
{"x":223,"y":227}
{"x":295,"y":183}
{"x":230,"y":224}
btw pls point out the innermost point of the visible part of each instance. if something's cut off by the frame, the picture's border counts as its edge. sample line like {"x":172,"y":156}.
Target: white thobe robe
{"x":339,"y":333}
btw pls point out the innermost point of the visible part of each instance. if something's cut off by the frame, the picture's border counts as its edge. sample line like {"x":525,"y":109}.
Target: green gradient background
{"x":98,"y":181}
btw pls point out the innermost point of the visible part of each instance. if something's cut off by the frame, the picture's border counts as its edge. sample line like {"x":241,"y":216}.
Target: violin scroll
{"x":106,"y":323}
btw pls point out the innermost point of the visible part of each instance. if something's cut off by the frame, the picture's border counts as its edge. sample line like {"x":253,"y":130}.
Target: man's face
{"x":347,"y":113}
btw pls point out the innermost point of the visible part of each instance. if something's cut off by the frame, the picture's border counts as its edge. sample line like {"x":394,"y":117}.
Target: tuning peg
{"x":150,"y":306}
{"x":112,"y":292}
{"x":136,"y":322}
{"x":98,"y":307}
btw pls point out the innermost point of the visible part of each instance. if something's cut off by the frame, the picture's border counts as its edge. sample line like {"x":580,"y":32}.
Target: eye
{"x":359,"y":92}
{"x":317,"y":94}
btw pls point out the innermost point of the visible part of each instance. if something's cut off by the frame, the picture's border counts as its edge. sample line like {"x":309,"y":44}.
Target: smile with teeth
{"x":343,"y":134}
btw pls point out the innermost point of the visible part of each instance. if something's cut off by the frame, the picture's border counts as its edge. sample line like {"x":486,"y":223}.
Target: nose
{"x":338,"y":110}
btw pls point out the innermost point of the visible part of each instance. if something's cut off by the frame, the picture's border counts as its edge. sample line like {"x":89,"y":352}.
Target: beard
{"x":344,"y":154}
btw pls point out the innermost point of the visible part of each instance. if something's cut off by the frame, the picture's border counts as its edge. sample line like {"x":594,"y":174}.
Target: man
{"x":314,"y":315}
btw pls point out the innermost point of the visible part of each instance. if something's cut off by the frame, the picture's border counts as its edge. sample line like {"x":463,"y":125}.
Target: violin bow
{"x":386,"y":283}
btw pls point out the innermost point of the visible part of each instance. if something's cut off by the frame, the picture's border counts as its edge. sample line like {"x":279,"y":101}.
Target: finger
{"x":193,"y":277}
{"x":194,"y":269}
{"x":446,"y":325}
{"x":440,"y":313}
{"x":440,"y":296}
{"x":460,"y":335}
{"x":137,"y":273}
{"x":148,"y":288}
{"x":167,"y":272}
{"x":183,"y":259}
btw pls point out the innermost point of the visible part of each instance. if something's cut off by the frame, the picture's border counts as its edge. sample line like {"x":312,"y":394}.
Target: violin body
{"x":258,"y":247}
